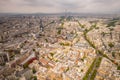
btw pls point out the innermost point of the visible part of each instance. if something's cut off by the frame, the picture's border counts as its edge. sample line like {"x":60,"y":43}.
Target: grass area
{"x":118,"y":68}
{"x":93,"y":69}
{"x":99,"y":61}
{"x":59,"y":31}
{"x":60,"y":28}
{"x":64,"y":44}
{"x":89,"y":70}
{"x":62,"y":24}
{"x":93,"y":74}
{"x":82,"y":26}
{"x":111,"y":23}
{"x":90,"y":43}
{"x":110,"y":44}
{"x":33,"y":78}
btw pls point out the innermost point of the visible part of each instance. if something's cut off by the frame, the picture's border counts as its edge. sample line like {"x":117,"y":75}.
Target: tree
{"x":111,"y":29}
{"x":34,"y":71}
{"x":103,"y":34}
{"x":111,"y":45}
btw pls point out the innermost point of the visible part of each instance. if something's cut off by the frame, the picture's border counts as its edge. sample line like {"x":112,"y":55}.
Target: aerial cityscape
{"x":57,"y":41}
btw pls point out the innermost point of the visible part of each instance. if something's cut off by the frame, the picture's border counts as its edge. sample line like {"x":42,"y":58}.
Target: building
{"x":4,"y":57}
{"x":27,"y":73}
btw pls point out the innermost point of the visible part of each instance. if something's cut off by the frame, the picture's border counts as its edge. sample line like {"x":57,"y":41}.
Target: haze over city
{"x":58,"y":6}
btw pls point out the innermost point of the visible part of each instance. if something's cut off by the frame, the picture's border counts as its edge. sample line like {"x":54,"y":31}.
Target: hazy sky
{"x":55,"y":6}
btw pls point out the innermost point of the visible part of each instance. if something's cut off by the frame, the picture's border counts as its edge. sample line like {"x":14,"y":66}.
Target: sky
{"x":57,"y":6}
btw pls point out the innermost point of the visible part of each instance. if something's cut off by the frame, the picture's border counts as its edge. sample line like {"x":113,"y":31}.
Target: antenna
{"x":65,"y":13}
{"x":41,"y":25}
